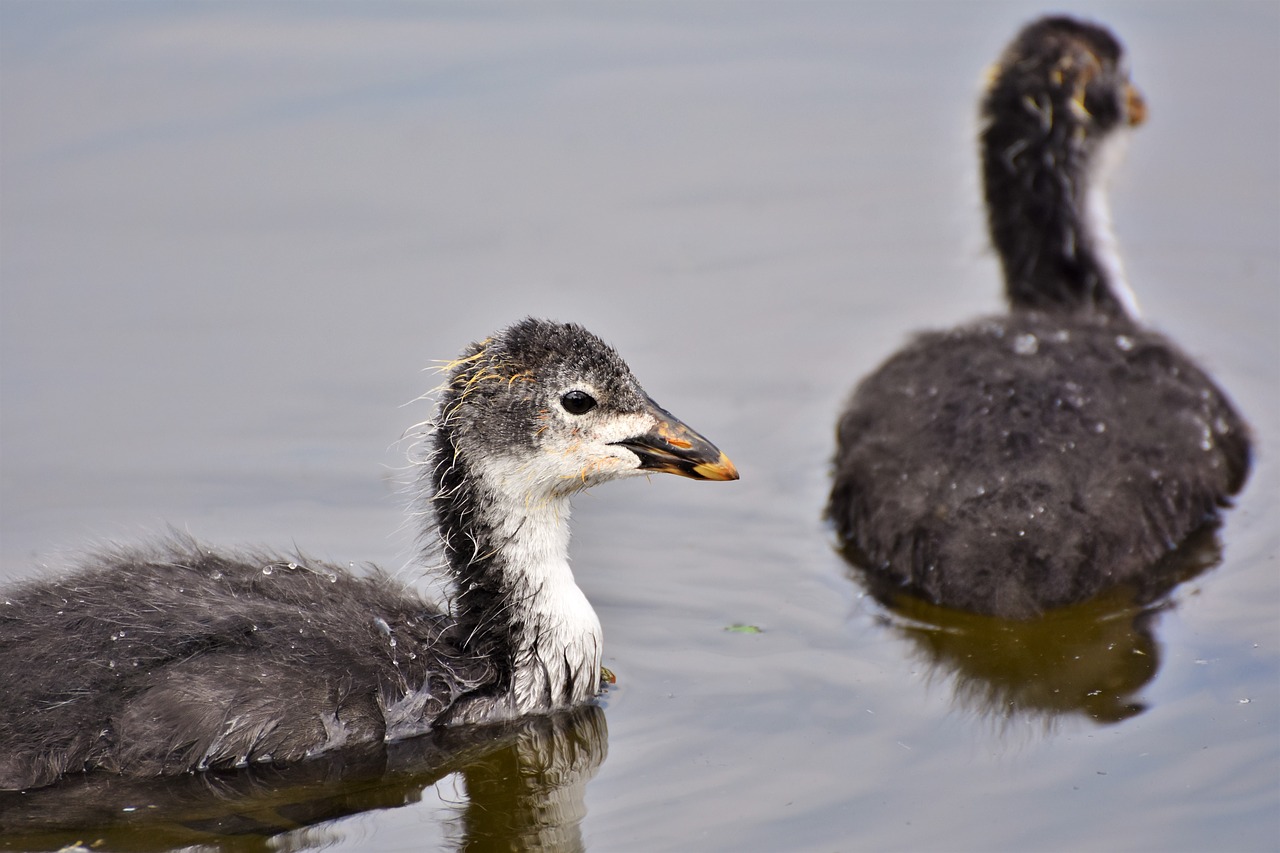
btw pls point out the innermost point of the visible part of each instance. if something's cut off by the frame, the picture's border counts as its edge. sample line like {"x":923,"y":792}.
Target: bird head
{"x":549,"y":408}
{"x":1065,"y":75}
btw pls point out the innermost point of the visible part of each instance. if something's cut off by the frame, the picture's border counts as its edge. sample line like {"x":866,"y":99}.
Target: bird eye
{"x":578,"y":402}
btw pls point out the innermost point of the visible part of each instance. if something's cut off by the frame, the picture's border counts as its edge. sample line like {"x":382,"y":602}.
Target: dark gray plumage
{"x":176,"y":658}
{"x":1030,"y":460}
{"x":159,"y":661}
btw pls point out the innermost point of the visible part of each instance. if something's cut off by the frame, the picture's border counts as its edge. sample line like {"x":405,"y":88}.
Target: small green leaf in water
{"x":744,"y":629}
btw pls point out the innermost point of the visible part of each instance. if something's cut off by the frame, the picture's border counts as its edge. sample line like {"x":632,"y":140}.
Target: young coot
{"x":1029,"y":460}
{"x":176,"y":658}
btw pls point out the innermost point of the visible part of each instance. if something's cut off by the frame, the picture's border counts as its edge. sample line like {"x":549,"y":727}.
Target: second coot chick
{"x":1030,"y":460}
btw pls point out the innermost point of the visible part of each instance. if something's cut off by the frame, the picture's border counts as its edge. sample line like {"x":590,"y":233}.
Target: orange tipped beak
{"x":672,"y":447}
{"x":1135,"y":105}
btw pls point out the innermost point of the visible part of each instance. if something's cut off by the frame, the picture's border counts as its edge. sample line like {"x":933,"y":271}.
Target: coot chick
{"x":1030,"y":460}
{"x":178,"y":658}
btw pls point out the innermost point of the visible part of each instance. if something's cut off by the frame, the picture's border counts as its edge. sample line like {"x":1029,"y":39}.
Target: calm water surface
{"x":234,"y":235}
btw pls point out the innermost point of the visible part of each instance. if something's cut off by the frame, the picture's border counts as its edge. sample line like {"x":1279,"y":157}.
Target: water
{"x":234,"y":234}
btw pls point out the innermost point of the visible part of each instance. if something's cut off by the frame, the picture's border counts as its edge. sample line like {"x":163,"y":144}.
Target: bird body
{"x":1031,"y":460}
{"x":176,"y":657}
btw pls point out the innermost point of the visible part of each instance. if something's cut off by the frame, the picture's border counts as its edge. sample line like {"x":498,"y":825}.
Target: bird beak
{"x":673,"y":448}
{"x":1136,"y":105}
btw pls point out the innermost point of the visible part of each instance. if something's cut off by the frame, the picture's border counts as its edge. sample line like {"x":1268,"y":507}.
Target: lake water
{"x":233,"y":235}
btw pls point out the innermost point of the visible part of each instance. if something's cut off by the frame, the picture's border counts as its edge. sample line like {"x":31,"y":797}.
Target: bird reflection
{"x":524,"y":781}
{"x":1090,"y":659}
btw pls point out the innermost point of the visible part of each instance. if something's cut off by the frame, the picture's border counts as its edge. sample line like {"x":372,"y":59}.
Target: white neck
{"x":1097,"y":215}
{"x":556,"y":639}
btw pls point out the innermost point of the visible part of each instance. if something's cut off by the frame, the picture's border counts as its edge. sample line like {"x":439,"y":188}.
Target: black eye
{"x":578,"y":402}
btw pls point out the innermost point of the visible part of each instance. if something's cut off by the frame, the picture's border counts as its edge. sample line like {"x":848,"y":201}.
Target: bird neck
{"x":1048,"y":214}
{"x":516,"y":602}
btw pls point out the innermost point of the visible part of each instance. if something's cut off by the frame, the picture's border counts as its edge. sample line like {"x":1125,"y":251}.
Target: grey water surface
{"x":233,"y":235}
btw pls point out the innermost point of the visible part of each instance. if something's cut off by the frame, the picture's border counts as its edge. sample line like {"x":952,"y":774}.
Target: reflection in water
{"x":525,"y":782}
{"x":1089,"y":658}
{"x":530,"y":796}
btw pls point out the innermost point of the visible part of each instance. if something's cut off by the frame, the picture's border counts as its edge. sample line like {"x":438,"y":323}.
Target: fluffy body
{"x":1030,"y":461}
{"x":175,"y":658}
